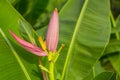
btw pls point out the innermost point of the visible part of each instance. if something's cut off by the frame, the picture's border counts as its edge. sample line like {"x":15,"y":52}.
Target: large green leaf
{"x":97,"y":69}
{"x":85,"y":30}
{"x":9,"y":20}
{"x":106,"y":76}
{"x":11,"y":66}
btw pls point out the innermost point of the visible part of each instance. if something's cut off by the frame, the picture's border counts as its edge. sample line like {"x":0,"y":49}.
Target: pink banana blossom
{"x":51,"y":38}
{"x":53,"y":32}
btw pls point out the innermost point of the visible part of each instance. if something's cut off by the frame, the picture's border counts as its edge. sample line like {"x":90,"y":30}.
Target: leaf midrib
{"x":73,"y":37}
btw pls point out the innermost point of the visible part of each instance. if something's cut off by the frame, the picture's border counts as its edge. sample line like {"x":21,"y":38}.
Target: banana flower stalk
{"x":48,"y":47}
{"x":51,"y":38}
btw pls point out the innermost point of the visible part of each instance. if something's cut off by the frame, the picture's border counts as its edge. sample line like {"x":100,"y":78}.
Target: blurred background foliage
{"x":111,"y":60}
{"x":115,"y":7}
{"x":37,"y":12}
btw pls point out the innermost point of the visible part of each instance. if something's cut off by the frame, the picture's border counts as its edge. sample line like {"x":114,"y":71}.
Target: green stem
{"x":43,"y":72}
{"x":51,"y":69}
{"x":114,"y":25}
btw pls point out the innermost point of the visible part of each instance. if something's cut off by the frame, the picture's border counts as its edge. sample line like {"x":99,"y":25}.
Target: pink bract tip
{"x":28,"y":46}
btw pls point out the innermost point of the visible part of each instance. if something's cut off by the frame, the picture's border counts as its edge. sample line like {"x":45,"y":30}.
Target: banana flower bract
{"x":51,"y":38}
{"x":53,"y":32}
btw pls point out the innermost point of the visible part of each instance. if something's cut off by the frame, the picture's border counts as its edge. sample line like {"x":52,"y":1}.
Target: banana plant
{"x":70,"y":45}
